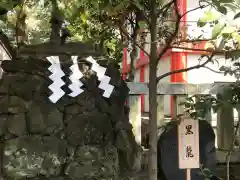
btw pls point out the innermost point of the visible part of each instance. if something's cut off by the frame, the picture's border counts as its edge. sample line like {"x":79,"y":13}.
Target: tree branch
{"x":166,"y":7}
{"x":142,"y":10}
{"x":192,"y":40}
{"x":124,"y":32}
{"x":210,"y":69}
{"x":169,"y":41}
{"x":133,"y":54}
{"x":138,"y":45}
{"x":56,"y":22}
{"x":196,"y":49}
{"x":185,"y":69}
{"x":219,"y":52}
{"x":179,"y":17}
{"x":194,"y":9}
{"x":20,"y":26}
{"x":185,"y":41}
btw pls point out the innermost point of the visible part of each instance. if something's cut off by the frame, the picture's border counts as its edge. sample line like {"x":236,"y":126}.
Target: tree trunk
{"x":152,"y":171}
{"x":56,"y":21}
{"x":133,"y":56}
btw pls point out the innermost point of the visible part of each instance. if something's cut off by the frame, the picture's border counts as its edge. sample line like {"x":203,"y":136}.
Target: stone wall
{"x":87,"y":137}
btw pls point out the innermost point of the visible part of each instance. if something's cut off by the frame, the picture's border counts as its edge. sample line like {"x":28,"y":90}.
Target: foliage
{"x":102,"y":21}
{"x":80,"y":18}
{"x":105,"y":21}
{"x":223,"y":18}
{"x":85,"y":25}
{"x":198,"y":106}
{"x":6,"y":5}
{"x":207,"y":174}
{"x":37,"y":22}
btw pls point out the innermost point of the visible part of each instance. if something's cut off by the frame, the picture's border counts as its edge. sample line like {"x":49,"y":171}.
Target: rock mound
{"x":87,"y":137}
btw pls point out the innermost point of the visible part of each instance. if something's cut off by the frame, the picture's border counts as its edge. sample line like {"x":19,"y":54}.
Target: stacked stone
{"x":87,"y":137}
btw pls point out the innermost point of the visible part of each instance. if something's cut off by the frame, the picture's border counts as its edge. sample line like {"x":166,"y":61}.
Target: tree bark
{"x":133,"y":56}
{"x":152,"y":171}
{"x":56,"y":22}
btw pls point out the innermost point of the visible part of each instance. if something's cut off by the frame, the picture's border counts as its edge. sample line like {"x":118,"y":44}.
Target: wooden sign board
{"x":188,"y":144}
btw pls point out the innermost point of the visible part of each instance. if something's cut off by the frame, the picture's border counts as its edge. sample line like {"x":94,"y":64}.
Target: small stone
{"x":72,"y":109}
{"x":16,"y":124}
{"x":35,"y":119}
{"x":86,"y":101}
{"x":19,"y":88}
{"x":13,"y":105}
{"x":17,"y":105}
{"x":3,"y":126}
{"x":123,"y":142}
{"x":89,"y":129}
{"x":4,"y":103}
{"x":43,"y":118}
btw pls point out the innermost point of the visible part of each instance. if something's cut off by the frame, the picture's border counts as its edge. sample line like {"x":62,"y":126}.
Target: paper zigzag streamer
{"x":56,"y":76}
{"x":75,"y":78}
{"x":104,"y":80}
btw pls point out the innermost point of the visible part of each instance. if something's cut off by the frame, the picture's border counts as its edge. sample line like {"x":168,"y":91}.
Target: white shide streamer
{"x":56,"y":76}
{"x":104,"y":80}
{"x":75,"y":78}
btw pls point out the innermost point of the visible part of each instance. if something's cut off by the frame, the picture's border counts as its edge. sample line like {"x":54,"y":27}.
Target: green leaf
{"x":233,"y":54}
{"x":222,"y":68}
{"x":217,"y":30}
{"x":84,"y":17}
{"x":226,"y":1}
{"x":209,"y":16}
{"x":216,"y":2}
{"x":4,"y":18}
{"x":7,"y":6}
{"x":238,"y":107}
{"x":236,"y":36}
{"x":95,"y":4}
{"x":237,"y":15}
{"x":206,"y":170}
{"x":201,"y":23}
{"x":139,"y":5}
{"x":227,"y":30}
{"x":232,"y":7}
{"x":142,"y":24}
{"x":222,"y":9}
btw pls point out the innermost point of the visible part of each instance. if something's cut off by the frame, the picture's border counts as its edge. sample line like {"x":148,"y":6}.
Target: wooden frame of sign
{"x":188,"y":145}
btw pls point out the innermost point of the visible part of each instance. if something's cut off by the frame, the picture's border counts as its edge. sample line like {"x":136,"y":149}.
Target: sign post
{"x":188,"y":145}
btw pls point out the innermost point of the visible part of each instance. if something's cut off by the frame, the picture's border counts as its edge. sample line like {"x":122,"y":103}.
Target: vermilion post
{"x":142,"y":79}
{"x":179,"y":59}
